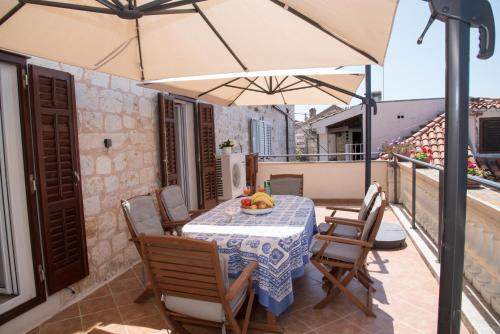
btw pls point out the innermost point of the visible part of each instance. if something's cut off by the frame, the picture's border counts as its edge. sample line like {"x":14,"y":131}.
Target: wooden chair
{"x":341,"y":259}
{"x":191,"y":285}
{"x":173,"y":209}
{"x":330,"y":225}
{"x":287,"y":184}
{"x":142,"y":217}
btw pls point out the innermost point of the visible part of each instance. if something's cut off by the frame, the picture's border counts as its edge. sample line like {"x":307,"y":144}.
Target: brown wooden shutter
{"x":489,"y":135}
{"x":60,"y":196}
{"x":206,"y":135}
{"x":168,"y":151}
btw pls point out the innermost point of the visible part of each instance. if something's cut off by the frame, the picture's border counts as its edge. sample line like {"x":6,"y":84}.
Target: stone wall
{"x":482,"y":233}
{"x":116,"y":108}
{"x":234,"y":123}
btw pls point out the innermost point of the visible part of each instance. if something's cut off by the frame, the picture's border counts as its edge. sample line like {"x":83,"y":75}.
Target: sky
{"x":414,"y":71}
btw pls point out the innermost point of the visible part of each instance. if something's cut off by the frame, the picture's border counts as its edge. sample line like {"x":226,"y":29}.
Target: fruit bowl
{"x":257,"y":211}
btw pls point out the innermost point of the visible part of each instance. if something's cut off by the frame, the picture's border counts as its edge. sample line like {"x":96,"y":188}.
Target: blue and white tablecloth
{"x":278,"y":241}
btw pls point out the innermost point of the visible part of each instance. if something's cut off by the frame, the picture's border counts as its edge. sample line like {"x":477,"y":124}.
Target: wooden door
{"x":168,"y":149}
{"x":59,"y":184}
{"x":206,"y":137}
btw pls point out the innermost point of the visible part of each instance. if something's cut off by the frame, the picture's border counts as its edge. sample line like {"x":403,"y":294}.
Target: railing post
{"x":440,"y":213}
{"x":413,"y":194}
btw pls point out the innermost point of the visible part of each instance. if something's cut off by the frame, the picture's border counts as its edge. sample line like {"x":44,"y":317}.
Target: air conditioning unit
{"x":231,"y":175}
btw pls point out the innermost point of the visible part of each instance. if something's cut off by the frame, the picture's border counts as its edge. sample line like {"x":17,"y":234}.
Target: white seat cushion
{"x":338,"y":251}
{"x":201,"y":309}
{"x":340,"y":230}
{"x":143,"y":215}
{"x":173,"y":201}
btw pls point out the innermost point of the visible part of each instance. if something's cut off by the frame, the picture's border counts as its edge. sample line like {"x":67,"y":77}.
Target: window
{"x":489,"y":135}
{"x":261,"y":137}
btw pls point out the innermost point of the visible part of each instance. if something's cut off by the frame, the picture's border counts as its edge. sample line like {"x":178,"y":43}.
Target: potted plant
{"x":473,"y":169}
{"x":388,"y":148}
{"x":227,"y":146}
{"x":423,"y":154}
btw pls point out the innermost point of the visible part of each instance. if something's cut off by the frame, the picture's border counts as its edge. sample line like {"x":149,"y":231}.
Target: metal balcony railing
{"x":414,"y":163}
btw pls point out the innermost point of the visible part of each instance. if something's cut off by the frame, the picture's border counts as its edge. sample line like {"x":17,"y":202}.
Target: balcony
{"x":406,"y":281}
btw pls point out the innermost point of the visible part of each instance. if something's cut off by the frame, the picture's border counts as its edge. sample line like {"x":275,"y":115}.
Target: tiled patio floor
{"x":406,"y":301}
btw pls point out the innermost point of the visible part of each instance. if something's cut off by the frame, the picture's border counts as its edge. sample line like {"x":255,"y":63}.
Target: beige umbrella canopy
{"x":154,"y":39}
{"x":266,"y":88}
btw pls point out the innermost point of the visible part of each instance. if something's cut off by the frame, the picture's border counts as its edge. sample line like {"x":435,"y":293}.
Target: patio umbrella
{"x":153,"y":39}
{"x":266,"y":88}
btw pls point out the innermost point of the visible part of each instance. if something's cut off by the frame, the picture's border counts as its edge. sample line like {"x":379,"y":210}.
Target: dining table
{"x":278,"y":241}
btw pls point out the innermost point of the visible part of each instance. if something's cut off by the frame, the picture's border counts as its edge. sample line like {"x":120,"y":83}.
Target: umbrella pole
{"x":455,"y":175}
{"x":368,"y":126}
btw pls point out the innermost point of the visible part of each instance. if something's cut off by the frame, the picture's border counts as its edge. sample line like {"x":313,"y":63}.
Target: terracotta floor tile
{"x":128,"y":274}
{"x":125,"y":284}
{"x":127,"y":297}
{"x":292,"y":325}
{"x":96,"y":304}
{"x":101,"y":292}
{"x":150,"y":324}
{"x":35,"y":330}
{"x":71,"y":311}
{"x":315,"y":318}
{"x":135,"y":311}
{"x":341,"y":326}
{"x":68,"y":326}
{"x":102,"y":318}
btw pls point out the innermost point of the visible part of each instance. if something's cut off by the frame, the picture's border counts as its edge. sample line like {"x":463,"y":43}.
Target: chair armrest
{"x":331,"y":238}
{"x":196,"y":213}
{"x":345,"y":221}
{"x":246,"y":274}
{"x":174,"y":223}
{"x":342,"y":208}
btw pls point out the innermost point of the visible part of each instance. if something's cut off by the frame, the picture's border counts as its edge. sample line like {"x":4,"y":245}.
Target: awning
{"x":154,"y":39}
{"x":266,"y":88}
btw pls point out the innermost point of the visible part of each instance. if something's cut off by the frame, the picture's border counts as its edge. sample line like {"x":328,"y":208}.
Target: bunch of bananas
{"x":262,"y":200}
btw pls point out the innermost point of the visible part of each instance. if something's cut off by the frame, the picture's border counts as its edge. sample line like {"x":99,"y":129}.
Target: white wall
{"x":328,"y":179}
{"x":386,"y":125}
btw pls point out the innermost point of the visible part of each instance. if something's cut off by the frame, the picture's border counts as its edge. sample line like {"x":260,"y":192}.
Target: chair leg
{"x":248,"y":312}
{"x":148,"y":292}
{"x":339,"y":287}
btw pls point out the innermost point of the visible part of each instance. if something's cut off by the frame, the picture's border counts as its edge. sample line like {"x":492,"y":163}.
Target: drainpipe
{"x":287,"y":142}
{"x":368,"y":127}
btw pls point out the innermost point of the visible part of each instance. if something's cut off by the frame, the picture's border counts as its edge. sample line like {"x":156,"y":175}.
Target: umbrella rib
{"x":217,"y":87}
{"x":108,"y":5}
{"x":318,"y":86}
{"x":141,"y":65}
{"x":152,"y":4}
{"x":242,"y":91}
{"x":279,"y":84}
{"x":249,"y":89}
{"x":318,"y":26}
{"x":333,"y":87}
{"x":118,"y":4}
{"x":211,"y":26}
{"x":292,"y":84}
{"x":171,"y":11}
{"x":178,"y":4}
{"x":256,"y":85}
{"x":69,"y":6}
{"x":11,"y":13}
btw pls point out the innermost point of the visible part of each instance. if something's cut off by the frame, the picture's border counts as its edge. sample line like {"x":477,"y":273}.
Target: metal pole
{"x":455,"y":175}
{"x":413,"y":194}
{"x":368,"y":127}
{"x":440,"y":214}
{"x":287,"y":144}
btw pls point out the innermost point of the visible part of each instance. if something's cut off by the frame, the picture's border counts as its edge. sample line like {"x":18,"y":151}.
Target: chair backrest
{"x":287,"y":184}
{"x":374,"y":219}
{"x":184,"y":267}
{"x":141,"y":217}
{"x":370,"y":196}
{"x":172,"y":202}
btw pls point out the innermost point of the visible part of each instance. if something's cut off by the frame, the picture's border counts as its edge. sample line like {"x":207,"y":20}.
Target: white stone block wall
{"x":482,"y":246}
{"x":234,"y":123}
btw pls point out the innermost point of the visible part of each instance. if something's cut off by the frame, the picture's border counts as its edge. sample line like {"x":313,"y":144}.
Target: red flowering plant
{"x":473,"y":169}
{"x":423,"y":154}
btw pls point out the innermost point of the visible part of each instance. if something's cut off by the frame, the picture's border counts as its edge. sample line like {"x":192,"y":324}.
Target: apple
{"x":261,"y":205}
{"x":261,"y":189}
